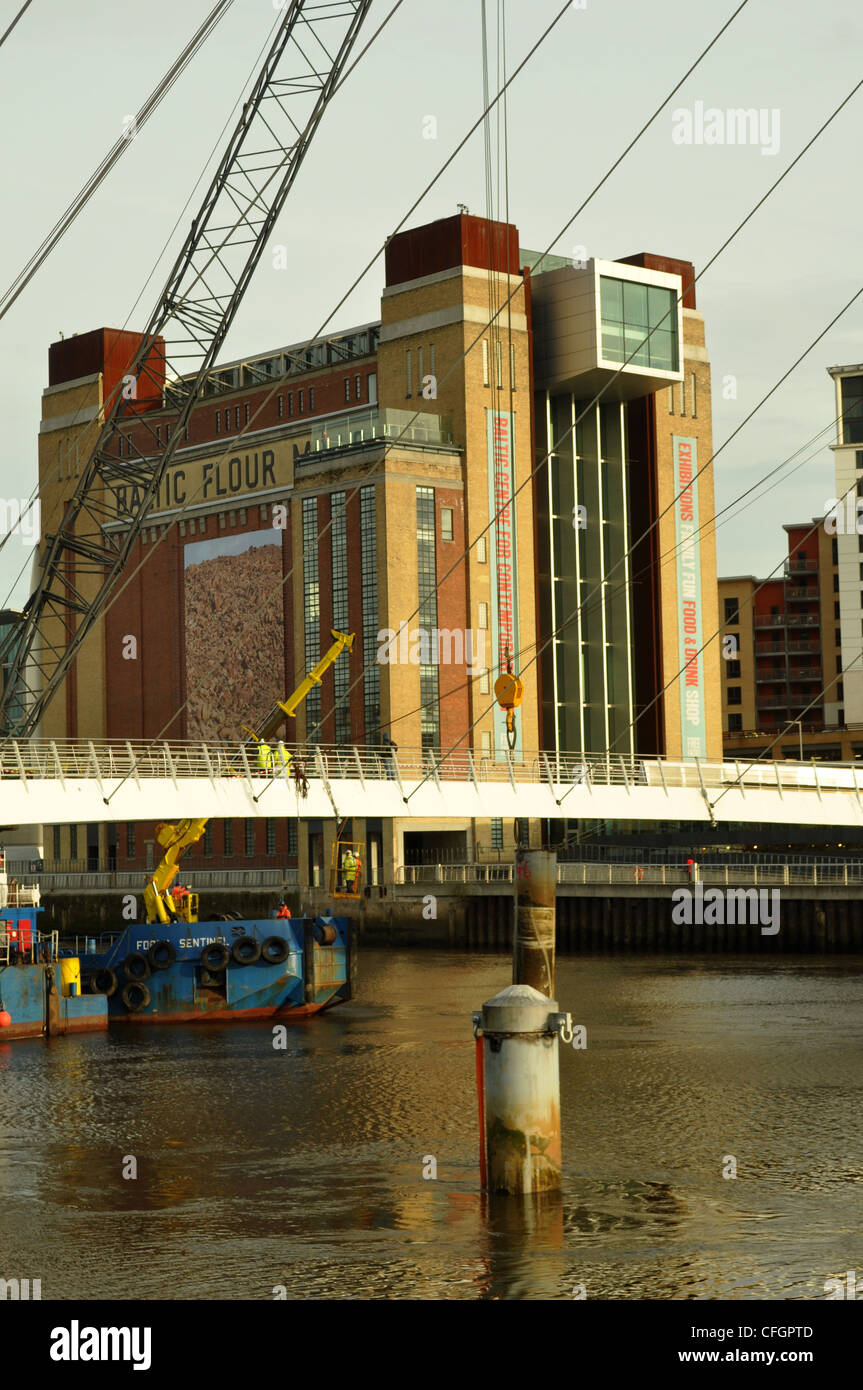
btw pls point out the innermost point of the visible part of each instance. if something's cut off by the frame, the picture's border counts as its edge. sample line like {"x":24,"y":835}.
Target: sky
{"x":70,"y":75}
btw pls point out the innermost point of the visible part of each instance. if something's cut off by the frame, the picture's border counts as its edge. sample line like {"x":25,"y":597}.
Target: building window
{"x":299,"y":402}
{"x":498,"y":353}
{"x":431,"y":360}
{"x":485,"y":377}
{"x":836,"y":610}
{"x":735,"y":695}
{"x":347,"y":388}
{"x":358,"y":387}
{"x":671,"y":400}
{"x":837,"y":637}
{"x":271,"y":835}
{"x":73,"y":842}
{"x":419,"y":370}
{"x":208,"y":841}
{"x":834,"y":550}
{"x":629,"y":311}
{"x":735,"y":723}
{"x":446,"y":532}
{"x":496,"y":826}
{"x":250,"y":838}
{"x":838,"y":665}
{"x":280,"y":406}
{"x":130,"y":840}
{"x":311,"y":398}
{"x":732,"y":670}
{"x":228,"y":421}
{"x":369,"y":566}
{"x":311,"y":612}
{"x":427,"y":616}
{"x":339,"y":559}
{"x":512,"y":365}
{"x":840,"y":694}
{"x":248,"y":410}
{"x":732,"y":610}
{"x":484,"y":683}
{"x":236,"y":417}
{"x":229,"y":837}
{"x":692,"y":396}
{"x":408,"y":374}
{"x":485,"y":744}
{"x":682,"y":389}
{"x":482,"y":619}
{"x":292,"y":836}
{"x":159,"y":436}
{"x":851,"y":393}
{"x":481,"y":551}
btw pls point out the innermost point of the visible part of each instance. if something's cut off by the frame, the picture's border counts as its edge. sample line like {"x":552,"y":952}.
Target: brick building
{"x":382,"y":452}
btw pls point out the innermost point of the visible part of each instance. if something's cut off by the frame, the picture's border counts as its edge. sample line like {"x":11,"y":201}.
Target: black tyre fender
{"x":246,"y":950}
{"x":324,"y":933}
{"x":103,"y":982}
{"x":275,"y":949}
{"x":135,"y":996}
{"x":215,"y":956}
{"x":136,"y":966}
{"x":161,"y":955}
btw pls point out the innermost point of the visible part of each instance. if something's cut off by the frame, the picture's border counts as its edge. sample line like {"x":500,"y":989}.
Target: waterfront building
{"x":799,"y":636}
{"x":334,"y":484}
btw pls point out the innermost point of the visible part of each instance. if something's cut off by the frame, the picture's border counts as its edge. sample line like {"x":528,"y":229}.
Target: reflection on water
{"x":303,"y":1167}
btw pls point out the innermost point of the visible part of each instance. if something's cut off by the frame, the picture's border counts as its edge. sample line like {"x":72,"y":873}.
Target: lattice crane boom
{"x":177,"y":350}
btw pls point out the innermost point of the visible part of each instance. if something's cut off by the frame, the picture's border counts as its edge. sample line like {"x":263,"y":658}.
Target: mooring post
{"x":533,"y":938}
{"x":521,"y":1073}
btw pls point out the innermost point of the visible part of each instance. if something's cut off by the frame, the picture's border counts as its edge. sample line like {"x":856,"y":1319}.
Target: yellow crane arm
{"x":344,"y":641}
{"x":179,"y":836}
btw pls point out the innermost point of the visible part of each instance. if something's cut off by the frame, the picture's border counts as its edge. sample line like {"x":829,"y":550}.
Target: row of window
{"x":498,"y":365}
{"x":422,"y":363}
{"x":227,"y":839}
{"x":680,"y":388}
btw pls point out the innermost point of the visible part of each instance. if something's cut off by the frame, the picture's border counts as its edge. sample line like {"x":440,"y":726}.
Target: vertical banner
{"x":502,"y":561}
{"x":692,"y":711}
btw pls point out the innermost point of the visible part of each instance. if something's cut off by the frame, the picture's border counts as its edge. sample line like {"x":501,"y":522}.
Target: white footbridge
{"x":74,"y":781}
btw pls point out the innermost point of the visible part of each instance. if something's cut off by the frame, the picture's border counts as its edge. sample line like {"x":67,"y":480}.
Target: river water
{"x":302,"y":1169}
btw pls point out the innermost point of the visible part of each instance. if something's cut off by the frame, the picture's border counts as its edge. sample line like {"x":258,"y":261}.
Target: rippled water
{"x":303,"y":1167}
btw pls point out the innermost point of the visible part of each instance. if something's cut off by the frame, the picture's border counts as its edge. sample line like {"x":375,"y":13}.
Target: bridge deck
{"x":72,"y":781}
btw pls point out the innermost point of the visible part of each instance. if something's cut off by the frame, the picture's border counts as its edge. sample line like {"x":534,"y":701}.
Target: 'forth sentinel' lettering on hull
{"x":222,"y":479}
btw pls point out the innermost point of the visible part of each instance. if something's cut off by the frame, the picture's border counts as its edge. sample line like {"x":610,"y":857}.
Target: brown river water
{"x":303,"y":1168}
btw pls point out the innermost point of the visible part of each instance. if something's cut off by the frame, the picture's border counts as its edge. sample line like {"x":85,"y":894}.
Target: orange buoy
{"x":5,"y":1019}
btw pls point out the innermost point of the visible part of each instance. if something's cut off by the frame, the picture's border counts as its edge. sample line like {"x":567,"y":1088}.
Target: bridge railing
{"x":111,"y":761}
{"x":812,"y":874}
{"x":133,"y":880}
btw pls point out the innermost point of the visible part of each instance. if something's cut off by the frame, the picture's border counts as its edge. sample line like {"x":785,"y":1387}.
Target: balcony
{"x":800,"y":566}
{"x":805,"y":673}
{"x":803,"y":619}
{"x":804,"y":594}
{"x":364,"y":427}
{"x":770,"y":677}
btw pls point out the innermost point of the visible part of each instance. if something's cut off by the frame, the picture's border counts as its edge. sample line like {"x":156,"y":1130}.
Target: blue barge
{"x":183,"y":972}
{"x":40,"y":993}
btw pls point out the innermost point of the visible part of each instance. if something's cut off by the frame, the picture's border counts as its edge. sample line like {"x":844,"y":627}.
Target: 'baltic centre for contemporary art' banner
{"x":502,"y":561}
{"x":692,"y":718}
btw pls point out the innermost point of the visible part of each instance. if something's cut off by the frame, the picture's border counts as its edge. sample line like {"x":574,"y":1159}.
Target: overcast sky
{"x":71,"y":73}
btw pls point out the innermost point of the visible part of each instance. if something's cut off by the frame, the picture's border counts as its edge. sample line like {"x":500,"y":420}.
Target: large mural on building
{"x":234,"y":661}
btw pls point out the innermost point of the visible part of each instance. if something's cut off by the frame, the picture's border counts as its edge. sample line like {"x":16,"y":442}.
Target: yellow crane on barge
{"x":177,"y":837}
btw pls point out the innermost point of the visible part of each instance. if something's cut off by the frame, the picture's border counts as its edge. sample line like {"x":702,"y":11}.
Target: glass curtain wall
{"x":588,"y":602}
